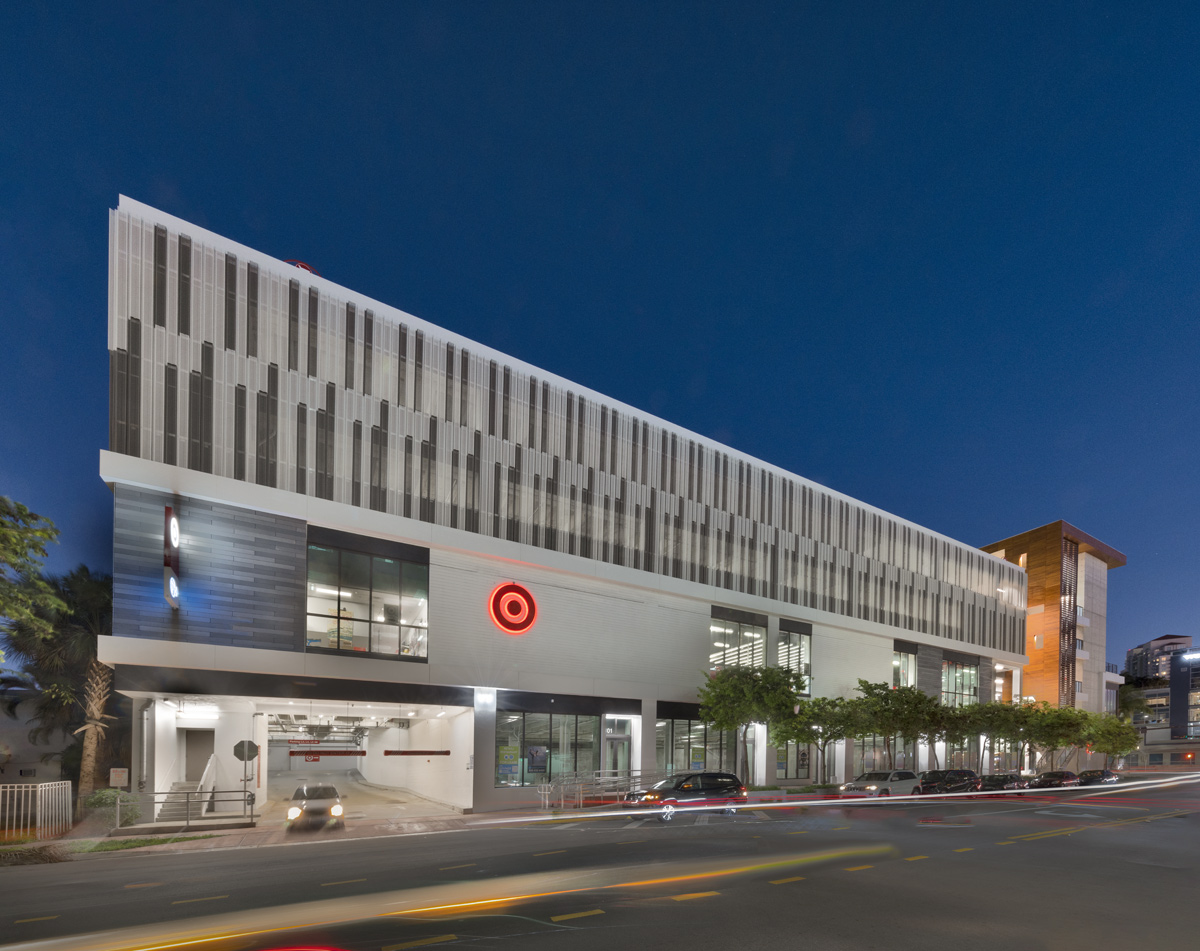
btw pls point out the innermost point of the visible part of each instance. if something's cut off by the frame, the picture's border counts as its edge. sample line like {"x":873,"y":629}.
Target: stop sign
{"x":245,"y":750}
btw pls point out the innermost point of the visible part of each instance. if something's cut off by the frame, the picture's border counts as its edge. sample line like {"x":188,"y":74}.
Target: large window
{"x":904,"y":669}
{"x":792,"y":761}
{"x":960,"y":684}
{"x":870,"y":752}
{"x":534,"y":748}
{"x":795,"y":648}
{"x":367,"y":604}
{"x":682,"y":745}
{"x":737,"y":639}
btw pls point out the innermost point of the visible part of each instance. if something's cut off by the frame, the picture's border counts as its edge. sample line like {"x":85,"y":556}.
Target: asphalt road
{"x":1059,"y":872}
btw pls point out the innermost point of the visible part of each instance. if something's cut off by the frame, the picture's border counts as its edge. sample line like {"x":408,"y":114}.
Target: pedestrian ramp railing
{"x":35,"y":810}
{"x":598,"y":787}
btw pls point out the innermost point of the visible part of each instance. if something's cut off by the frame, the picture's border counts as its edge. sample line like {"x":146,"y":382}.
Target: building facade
{"x":1066,"y":630}
{"x":1170,"y":726}
{"x":401,"y":550}
{"x":1152,"y":660}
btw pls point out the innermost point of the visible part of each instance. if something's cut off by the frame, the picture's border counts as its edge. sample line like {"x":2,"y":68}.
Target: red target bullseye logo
{"x":512,"y":608}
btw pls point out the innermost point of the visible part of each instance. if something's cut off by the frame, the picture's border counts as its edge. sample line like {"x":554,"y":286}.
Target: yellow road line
{"x":421,"y":941}
{"x":801,"y":832}
{"x":577,"y":914}
{"x":965,"y":850}
{"x":784,"y":881}
{"x":1010,"y":842}
{"x":857,"y":868}
{"x":916,"y":858}
{"x":1051,"y":835}
{"x":348,"y":881}
{"x":188,"y":901}
{"x":1038,"y":835}
{"x":841,"y":828}
{"x":144,"y":885}
{"x":691,"y":895}
{"x":555,"y":852}
{"x":447,"y":868}
{"x":631,"y":842}
{"x":21,"y":921}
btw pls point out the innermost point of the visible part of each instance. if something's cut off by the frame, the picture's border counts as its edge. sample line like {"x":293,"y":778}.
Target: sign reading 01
{"x":512,"y":608}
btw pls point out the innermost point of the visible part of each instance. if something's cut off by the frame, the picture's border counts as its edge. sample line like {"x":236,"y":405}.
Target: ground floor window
{"x":1005,"y":756}
{"x":534,"y":748}
{"x":792,"y":761}
{"x":871,"y":752}
{"x":964,"y":755}
{"x":682,"y":745}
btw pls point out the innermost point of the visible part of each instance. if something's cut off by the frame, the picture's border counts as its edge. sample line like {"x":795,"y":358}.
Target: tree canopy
{"x":24,"y":597}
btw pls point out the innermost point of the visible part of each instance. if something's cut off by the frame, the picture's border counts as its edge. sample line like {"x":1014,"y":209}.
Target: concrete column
{"x":647,"y":762}
{"x":483,"y":781}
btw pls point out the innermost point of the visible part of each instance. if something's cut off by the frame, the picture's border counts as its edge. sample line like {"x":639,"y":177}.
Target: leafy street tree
{"x":24,"y":597}
{"x":1056,"y":728}
{"x":892,"y":712}
{"x":735,"y":697}
{"x":69,"y":689}
{"x":819,"y":722}
{"x":1112,"y":736}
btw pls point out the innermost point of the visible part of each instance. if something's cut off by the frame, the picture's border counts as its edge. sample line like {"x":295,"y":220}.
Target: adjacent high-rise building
{"x":1152,"y":660}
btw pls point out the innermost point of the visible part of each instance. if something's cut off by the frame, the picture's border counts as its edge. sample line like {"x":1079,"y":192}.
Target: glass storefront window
{"x":686,"y":745}
{"x":510,"y":728}
{"x":366,"y":604}
{"x":870,"y":753}
{"x":587,"y":744}
{"x":535,"y":748}
{"x":791,"y":762}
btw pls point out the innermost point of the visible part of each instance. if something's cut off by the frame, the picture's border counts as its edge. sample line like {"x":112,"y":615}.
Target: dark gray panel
{"x":929,"y":670}
{"x":242,"y":573}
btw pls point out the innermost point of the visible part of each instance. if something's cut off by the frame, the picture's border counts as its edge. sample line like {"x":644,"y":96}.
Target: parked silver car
{"x":315,"y":807}
{"x":884,"y":782}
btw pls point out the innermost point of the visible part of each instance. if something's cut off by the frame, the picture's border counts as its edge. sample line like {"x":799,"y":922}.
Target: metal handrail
{"x":208,"y":781}
{"x":202,"y":798}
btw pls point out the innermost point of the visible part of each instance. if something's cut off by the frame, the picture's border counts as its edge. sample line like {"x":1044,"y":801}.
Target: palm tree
{"x":69,"y":690}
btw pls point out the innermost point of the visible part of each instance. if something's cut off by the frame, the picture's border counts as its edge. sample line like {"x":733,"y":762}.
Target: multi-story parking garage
{"x":401,"y":551}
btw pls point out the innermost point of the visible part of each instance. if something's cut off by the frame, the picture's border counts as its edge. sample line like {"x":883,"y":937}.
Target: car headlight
{"x":651,"y":796}
{"x":335,"y":809}
{"x":870,"y":787}
{"x":294,"y":812}
{"x":843,"y":787}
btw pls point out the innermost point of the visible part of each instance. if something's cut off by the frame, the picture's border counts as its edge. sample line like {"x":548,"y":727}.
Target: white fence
{"x":41,"y":810}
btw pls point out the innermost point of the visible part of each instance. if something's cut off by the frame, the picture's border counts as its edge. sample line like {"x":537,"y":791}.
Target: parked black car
{"x":1006,"y":781}
{"x":935,"y":781}
{"x":1095,"y":777}
{"x":720,"y":790}
{"x":1055,"y":779}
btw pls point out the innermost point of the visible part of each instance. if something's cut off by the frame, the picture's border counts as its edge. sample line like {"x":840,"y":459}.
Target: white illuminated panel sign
{"x":1194,"y":655}
{"x":171,"y":557}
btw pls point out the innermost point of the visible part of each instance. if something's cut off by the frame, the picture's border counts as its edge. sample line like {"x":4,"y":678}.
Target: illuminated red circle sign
{"x":512,"y":608}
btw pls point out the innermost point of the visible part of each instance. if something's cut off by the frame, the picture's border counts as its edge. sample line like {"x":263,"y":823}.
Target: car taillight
{"x":741,"y":789}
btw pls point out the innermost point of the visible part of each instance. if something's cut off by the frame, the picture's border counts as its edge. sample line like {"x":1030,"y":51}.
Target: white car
{"x":884,"y":782}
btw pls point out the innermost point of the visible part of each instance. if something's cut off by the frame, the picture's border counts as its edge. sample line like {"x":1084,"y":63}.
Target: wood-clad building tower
{"x":1065,"y":631}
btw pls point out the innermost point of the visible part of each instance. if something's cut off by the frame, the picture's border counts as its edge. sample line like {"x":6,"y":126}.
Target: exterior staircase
{"x":175,"y":806}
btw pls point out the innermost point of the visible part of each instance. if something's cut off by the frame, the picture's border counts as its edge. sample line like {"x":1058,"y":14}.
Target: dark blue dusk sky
{"x":941,"y":257}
